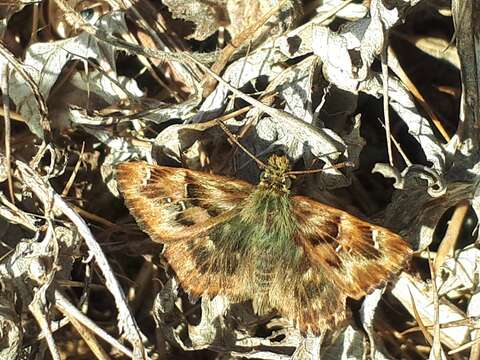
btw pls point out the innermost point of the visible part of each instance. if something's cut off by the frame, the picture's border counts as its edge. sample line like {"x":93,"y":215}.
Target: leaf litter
{"x":92,"y":84}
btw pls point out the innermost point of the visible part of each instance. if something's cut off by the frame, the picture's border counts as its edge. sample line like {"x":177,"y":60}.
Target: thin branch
{"x":386,"y":108}
{"x":447,"y":246}
{"x":8,"y":128}
{"x":68,"y":309}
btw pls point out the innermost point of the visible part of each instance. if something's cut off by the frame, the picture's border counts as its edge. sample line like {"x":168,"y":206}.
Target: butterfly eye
{"x":287,"y":182}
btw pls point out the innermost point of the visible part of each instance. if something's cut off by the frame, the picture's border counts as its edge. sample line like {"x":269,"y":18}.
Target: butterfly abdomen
{"x":262,"y":278}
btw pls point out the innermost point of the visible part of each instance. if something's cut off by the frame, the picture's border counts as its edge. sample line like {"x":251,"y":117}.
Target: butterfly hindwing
{"x":199,"y":269}
{"x":255,"y":252}
{"x":302,"y":292}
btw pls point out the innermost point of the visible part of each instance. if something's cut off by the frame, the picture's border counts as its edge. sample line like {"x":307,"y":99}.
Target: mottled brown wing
{"x":309,"y":296}
{"x":175,"y":203}
{"x":357,"y":256}
{"x":194,"y":264}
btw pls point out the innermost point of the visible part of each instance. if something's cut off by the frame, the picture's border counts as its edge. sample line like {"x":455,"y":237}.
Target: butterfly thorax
{"x":268,"y":216}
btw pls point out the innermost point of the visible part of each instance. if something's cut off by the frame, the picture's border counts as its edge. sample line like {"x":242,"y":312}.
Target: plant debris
{"x":378,"y":85}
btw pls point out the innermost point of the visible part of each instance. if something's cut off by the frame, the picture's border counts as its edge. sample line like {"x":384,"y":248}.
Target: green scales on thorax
{"x":264,"y":228}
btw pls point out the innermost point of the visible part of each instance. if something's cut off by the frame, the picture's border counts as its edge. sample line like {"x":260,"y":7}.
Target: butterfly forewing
{"x":359,"y":256}
{"x":173,"y":203}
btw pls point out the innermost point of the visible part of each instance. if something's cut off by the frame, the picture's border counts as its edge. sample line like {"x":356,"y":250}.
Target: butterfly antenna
{"x":336,"y":166}
{"x":234,"y":139}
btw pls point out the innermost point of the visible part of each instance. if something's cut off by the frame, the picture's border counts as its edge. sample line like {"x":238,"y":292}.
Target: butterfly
{"x":283,"y":252}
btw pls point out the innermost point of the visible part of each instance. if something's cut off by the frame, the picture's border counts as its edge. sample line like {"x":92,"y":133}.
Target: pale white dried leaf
{"x":418,"y":126}
{"x":295,"y":85}
{"x":155,"y":112}
{"x":368,"y":310}
{"x":382,"y":18}
{"x":174,"y":142}
{"x":93,"y":91}
{"x":211,"y":328}
{"x":349,"y":345}
{"x":475,"y":201}
{"x":473,"y":311}
{"x":165,"y":301}
{"x":297,"y":42}
{"x":333,"y":50}
{"x":14,"y":215}
{"x":169,"y":142}
{"x":265,"y":61}
{"x":408,"y":289}
{"x":364,"y":38}
{"x":45,"y":61}
{"x":302,"y":142}
{"x":431,"y":180}
{"x":412,"y":212}
{"x":44,"y":191}
{"x":121,"y":149}
{"x":118,"y":144}
{"x":3,"y":168}
{"x":308,"y":349}
{"x":253,"y":10}
{"x":460,"y":272}
{"x":18,"y":263}
{"x":233,"y":15}
{"x":110,"y":88}
{"x":11,"y":331}
{"x":215,"y":331}
{"x":206,"y":17}
{"x":367,"y":316}
{"x":355,"y":142}
{"x":264,"y":355}
{"x":30,"y":266}
{"x":351,"y":12}
{"x":162,"y":113}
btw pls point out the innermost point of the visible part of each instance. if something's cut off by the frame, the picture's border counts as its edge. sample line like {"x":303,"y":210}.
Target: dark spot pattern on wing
{"x":196,"y":198}
{"x":332,"y":229}
{"x":362,"y":256}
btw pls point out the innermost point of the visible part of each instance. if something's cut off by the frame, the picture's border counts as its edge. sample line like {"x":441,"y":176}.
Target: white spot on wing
{"x":148,"y":175}
{"x":376,"y":245}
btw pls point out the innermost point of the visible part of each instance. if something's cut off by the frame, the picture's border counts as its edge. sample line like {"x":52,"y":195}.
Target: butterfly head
{"x":275,"y":176}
